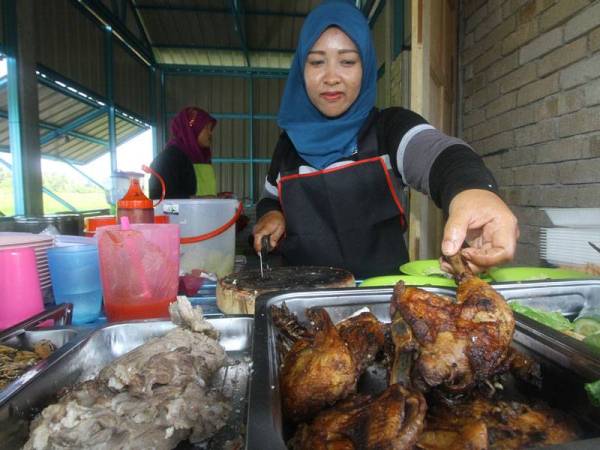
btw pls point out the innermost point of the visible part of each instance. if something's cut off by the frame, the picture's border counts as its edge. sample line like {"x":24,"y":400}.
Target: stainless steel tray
{"x":267,"y":430}
{"x":84,"y":359}
{"x":24,"y":335}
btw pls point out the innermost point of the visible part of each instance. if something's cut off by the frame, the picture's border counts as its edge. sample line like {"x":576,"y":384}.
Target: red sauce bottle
{"x":135,"y":205}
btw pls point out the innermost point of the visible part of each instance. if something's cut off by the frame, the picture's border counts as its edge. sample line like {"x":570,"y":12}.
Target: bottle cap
{"x":135,"y":197}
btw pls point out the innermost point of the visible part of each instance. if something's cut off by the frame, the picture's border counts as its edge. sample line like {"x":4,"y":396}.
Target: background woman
{"x":185,"y":163}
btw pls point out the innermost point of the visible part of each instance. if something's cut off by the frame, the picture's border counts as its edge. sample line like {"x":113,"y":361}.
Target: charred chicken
{"x":457,"y":343}
{"x":393,"y":421}
{"x":322,"y":363}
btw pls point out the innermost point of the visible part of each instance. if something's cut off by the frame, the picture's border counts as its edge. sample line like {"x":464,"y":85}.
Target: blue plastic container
{"x":75,"y":275}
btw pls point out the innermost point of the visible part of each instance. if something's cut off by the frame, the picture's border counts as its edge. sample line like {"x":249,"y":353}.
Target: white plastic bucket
{"x":197,"y":217}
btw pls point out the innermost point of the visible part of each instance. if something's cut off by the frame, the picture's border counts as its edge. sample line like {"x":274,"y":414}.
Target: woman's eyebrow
{"x":342,"y":51}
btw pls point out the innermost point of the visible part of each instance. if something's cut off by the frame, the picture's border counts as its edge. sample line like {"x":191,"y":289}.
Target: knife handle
{"x":265,"y":244}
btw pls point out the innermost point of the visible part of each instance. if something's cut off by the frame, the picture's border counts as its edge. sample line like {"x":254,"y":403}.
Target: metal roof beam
{"x":72,"y":126}
{"x":75,"y":134}
{"x":106,"y":16}
{"x":44,"y":190}
{"x":243,"y":72}
{"x":240,"y":27}
{"x":224,"y":47}
{"x":200,"y":9}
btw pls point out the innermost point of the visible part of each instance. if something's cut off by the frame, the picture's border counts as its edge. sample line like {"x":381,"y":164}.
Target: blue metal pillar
{"x":163,"y":106}
{"x":251,"y":134}
{"x":23,"y":115}
{"x":153,"y":109}
{"x":112,"y":126}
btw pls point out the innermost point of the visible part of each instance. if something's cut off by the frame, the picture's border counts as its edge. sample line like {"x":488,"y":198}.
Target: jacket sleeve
{"x":270,"y":195}
{"x":430,"y":161}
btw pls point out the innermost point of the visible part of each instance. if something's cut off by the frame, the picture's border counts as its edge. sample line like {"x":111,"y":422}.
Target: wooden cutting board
{"x":237,"y":292}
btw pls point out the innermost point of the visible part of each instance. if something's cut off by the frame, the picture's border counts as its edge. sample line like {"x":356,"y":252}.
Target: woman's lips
{"x":331,"y":96}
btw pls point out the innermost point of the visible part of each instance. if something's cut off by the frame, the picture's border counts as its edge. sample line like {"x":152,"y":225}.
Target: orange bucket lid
{"x":92,"y":223}
{"x":161,"y":219}
{"x":135,"y":198}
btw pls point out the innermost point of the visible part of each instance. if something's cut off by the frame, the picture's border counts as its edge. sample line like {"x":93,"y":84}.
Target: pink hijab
{"x":185,"y":127}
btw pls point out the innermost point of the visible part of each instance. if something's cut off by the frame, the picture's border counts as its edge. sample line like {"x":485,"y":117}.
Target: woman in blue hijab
{"x":333,"y":192}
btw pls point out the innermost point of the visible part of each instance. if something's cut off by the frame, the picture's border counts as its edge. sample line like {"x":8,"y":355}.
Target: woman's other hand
{"x":273,"y":224}
{"x":482,"y":220}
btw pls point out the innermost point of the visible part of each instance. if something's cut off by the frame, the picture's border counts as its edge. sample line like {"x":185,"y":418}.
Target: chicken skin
{"x":322,"y":363}
{"x":317,"y":371}
{"x":458,"y":343}
{"x":391,"y":421}
{"x":481,"y":423}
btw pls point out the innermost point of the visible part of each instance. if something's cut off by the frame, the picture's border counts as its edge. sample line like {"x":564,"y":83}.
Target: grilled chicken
{"x":458,"y":343}
{"x":393,"y":421}
{"x":322,"y":363}
{"x":482,"y":423}
{"x":317,"y":371}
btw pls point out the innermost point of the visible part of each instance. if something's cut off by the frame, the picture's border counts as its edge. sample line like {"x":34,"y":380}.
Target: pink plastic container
{"x":20,"y":293}
{"x":139,"y":268}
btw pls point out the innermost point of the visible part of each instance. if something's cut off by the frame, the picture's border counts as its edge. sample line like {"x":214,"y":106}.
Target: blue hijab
{"x":320,"y":140}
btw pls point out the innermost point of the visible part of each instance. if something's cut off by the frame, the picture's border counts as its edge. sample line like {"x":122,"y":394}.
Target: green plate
{"x":430,"y":268}
{"x":535,"y":273}
{"x":410,"y":280}
{"x":423,"y":267}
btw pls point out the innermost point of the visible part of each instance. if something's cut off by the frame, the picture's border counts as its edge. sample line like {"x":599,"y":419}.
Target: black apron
{"x":348,"y":217}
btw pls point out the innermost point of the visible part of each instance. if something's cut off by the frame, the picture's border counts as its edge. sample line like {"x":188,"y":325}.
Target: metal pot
{"x":65,"y":223}
{"x":7,"y":224}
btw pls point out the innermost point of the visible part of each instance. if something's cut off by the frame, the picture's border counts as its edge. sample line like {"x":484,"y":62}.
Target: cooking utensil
{"x":265,"y":247}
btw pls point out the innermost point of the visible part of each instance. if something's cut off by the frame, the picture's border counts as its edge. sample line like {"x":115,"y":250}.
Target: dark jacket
{"x":178,"y":173}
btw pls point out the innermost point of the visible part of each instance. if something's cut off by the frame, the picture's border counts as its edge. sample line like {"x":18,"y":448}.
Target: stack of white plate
{"x":40,"y":243}
{"x":568,"y":242}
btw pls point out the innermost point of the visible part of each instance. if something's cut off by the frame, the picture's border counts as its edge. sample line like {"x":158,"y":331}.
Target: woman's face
{"x":205,"y":136}
{"x":333,"y":72}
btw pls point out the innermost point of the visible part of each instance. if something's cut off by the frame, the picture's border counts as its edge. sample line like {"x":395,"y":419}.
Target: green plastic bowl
{"x":536,"y":273}
{"x":410,"y":280}
{"x":431,"y":268}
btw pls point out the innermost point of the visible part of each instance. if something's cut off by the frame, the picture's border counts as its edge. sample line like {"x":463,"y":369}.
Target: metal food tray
{"x":24,"y":335}
{"x":562,"y":380}
{"x":87,"y":357}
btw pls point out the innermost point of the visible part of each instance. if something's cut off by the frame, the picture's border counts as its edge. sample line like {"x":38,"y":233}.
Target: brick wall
{"x":531,"y":103}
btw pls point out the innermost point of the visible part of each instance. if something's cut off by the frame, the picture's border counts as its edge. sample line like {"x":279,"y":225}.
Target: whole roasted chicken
{"x":322,"y":364}
{"x":456,"y":343}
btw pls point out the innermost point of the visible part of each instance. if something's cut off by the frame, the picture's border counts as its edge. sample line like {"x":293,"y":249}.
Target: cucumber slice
{"x":593,"y":340}
{"x":587,"y":326}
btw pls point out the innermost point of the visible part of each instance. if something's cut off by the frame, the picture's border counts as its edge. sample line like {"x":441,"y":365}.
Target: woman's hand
{"x":482,"y":220}
{"x":272,"y":223}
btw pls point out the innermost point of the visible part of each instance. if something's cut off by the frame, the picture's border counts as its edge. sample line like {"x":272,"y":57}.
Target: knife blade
{"x":265,"y":247}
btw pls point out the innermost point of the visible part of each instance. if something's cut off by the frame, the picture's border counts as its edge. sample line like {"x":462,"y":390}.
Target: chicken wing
{"x":393,"y":421}
{"x":317,"y":371}
{"x":482,"y":423}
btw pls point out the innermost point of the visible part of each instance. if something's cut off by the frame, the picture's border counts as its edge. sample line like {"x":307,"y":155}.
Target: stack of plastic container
{"x":568,"y":241}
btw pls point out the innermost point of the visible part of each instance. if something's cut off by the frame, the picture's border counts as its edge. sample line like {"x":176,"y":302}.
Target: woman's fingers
{"x":273,"y":224}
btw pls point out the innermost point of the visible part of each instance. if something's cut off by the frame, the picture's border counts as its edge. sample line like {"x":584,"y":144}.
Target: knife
{"x":265,"y":247}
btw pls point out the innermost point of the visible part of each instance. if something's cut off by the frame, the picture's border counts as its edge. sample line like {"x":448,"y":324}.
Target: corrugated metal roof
{"x":203,"y":32}
{"x":222,"y":58}
{"x":79,"y":144}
